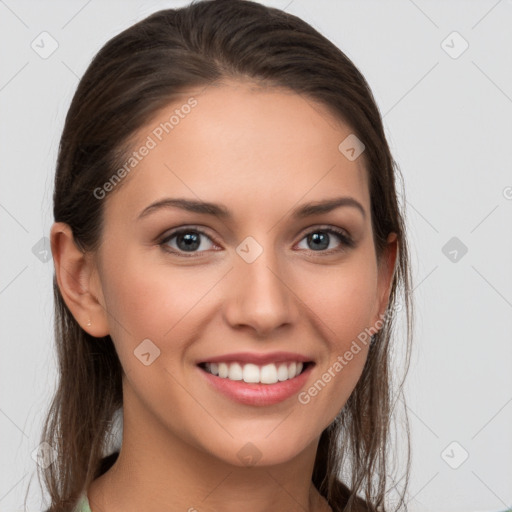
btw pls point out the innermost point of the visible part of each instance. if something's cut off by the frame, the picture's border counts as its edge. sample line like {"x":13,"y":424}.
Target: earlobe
{"x":74,"y":271}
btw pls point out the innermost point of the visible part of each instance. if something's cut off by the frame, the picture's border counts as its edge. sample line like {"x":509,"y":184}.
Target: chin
{"x":260,"y":452}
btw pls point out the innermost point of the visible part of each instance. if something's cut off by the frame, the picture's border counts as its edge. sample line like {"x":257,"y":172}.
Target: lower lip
{"x":258,"y":394}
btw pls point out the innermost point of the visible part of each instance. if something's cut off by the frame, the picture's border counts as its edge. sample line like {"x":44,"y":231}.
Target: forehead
{"x":261,"y":149}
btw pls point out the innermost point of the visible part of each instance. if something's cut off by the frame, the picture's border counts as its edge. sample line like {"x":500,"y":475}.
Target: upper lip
{"x":257,"y":358}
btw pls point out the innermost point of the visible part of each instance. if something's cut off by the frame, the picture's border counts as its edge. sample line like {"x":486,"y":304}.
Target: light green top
{"x":83,"y":504}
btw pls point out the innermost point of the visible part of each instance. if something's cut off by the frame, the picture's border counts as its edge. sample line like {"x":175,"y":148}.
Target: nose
{"x":259,"y":298}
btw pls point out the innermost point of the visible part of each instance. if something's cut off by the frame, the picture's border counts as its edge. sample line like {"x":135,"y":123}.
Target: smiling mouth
{"x":271,"y":373}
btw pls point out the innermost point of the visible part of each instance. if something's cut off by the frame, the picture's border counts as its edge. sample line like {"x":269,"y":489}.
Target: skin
{"x":260,"y":152}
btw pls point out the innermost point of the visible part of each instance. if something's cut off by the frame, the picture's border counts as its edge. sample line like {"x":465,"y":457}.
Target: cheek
{"x":341,"y":302}
{"x":342,"y":298}
{"x":143,"y":301}
{"x":155,"y":302}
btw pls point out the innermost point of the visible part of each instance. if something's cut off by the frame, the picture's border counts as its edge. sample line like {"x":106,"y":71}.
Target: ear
{"x":386,"y":274}
{"x":78,"y":281}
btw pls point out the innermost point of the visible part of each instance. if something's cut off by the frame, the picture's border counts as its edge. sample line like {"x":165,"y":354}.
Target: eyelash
{"x":345,"y":240}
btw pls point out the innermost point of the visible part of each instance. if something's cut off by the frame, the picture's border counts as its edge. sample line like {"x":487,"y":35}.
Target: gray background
{"x":447,"y":116}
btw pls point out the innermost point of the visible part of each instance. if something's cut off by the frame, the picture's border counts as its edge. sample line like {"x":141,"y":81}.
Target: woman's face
{"x":258,"y":280}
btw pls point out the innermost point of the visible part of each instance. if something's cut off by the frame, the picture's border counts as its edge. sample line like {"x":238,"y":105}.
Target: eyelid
{"x":326,"y":227}
{"x":188,"y":227}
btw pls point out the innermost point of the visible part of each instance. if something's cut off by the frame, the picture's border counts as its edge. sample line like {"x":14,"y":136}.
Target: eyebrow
{"x":218,"y":210}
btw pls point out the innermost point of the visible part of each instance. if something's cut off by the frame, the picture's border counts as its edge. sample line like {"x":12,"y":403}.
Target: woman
{"x":228,"y":250}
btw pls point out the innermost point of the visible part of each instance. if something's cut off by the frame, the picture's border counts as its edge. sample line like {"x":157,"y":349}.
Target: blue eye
{"x":189,"y":240}
{"x":321,"y":241}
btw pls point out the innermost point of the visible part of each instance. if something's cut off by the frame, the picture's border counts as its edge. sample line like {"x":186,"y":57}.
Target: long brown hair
{"x":135,"y":74}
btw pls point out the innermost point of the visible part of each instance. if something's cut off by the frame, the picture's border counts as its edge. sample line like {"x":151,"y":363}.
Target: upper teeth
{"x":267,"y":374}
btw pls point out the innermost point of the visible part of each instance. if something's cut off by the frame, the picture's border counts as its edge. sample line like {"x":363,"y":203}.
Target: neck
{"x":156,"y":471}
{"x":159,"y":468}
